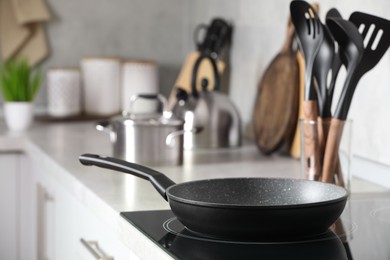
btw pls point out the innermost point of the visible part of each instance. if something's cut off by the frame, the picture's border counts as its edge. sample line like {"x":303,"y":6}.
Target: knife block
{"x":184,"y":78}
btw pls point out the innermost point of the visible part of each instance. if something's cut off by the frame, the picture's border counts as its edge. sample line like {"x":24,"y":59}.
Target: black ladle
{"x":351,"y":52}
{"x":327,"y":61}
{"x":322,"y":66}
{"x":336,"y":65}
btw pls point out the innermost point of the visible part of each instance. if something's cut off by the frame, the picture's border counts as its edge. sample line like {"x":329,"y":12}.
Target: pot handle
{"x":159,"y":181}
{"x":104,"y":126}
{"x":170,"y":139}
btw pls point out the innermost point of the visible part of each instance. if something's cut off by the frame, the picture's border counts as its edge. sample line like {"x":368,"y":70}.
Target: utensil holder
{"x":316,"y":137}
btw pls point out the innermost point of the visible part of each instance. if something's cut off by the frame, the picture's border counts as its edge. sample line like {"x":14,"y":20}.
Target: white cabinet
{"x":9,"y":176}
{"x":46,"y":204}
{"x":67,"y":229}
{"x":41,"y":220}
{"x":17,"y":202}
{"x":28,"y":209}
{"x":94,"y":240}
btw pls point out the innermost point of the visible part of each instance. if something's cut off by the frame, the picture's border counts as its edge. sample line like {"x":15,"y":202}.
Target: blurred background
{"x":162,"y":30}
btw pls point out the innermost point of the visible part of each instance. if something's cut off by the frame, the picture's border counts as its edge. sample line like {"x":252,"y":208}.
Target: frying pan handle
{"x":159,"y":181}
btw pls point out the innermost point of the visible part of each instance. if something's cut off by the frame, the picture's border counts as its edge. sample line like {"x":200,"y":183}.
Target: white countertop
{"x":107,"y":193}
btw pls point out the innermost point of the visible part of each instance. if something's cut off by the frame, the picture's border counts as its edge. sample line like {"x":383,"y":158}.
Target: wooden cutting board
{"x":185,"y":76}
{"x":276,"y":106}
{"x":295,"y":148}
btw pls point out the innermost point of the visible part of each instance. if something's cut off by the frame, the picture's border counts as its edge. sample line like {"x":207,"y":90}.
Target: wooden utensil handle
{"x":287,"y":46}
{"x":295,"y":149}
{"x":331,"y":150}
{"x":323,"y":132}
{"x":312,"y":149}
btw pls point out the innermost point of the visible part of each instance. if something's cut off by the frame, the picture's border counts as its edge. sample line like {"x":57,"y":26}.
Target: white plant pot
{"x":18,"y":115}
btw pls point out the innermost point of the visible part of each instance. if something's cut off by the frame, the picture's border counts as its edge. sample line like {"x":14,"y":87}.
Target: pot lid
{"x":166,"y":119}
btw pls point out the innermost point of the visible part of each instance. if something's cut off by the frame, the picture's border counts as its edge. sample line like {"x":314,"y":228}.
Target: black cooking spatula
{"x":375,"y":46}
{"x":375,"y":34}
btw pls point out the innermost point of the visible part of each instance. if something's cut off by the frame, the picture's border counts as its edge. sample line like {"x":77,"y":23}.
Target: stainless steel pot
{"x":152,"y":139}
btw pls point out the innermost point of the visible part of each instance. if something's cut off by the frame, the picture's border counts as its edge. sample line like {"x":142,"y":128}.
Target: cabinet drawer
{"x":96,"y":239}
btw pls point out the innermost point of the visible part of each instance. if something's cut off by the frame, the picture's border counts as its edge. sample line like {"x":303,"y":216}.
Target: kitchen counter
{"x":56,"y":146}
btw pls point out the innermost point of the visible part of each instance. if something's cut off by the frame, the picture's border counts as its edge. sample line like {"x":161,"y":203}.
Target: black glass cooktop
{"x":363,"y":232}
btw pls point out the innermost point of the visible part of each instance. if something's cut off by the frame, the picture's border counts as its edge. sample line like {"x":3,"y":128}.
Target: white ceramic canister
{"x":101,"y":84}
{"x":139,"y":77}
{"x":63,"y":92}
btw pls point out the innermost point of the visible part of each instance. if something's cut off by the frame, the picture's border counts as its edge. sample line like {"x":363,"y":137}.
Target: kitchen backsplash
{"x":259,"y":31}
{"x":163,"y":31}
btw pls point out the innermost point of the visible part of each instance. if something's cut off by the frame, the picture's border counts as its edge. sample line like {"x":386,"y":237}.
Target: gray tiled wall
{"x":129,"y":29}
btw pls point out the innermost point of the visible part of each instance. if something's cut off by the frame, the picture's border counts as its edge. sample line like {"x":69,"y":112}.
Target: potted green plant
{"x":19,"y":85}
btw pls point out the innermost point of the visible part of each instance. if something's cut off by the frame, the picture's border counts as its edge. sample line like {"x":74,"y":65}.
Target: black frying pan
{"x":245,"y":208}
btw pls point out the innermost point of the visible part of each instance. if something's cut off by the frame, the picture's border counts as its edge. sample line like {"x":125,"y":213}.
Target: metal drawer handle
{"x":95,"y":250}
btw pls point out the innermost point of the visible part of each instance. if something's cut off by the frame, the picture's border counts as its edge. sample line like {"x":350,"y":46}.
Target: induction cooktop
{"x":362,"y":232}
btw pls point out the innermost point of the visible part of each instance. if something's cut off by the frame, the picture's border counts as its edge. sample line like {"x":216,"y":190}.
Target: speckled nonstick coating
{"x":245,"y":208}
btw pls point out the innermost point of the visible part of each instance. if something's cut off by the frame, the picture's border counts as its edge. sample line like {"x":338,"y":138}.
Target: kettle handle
{"x":195,"y":73}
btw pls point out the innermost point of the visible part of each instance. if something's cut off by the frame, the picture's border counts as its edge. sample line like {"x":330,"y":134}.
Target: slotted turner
{"x":335,"y":66}
{"x":373,"y":52}
{"x":375,"y":32}
{"x":310,"y":37}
